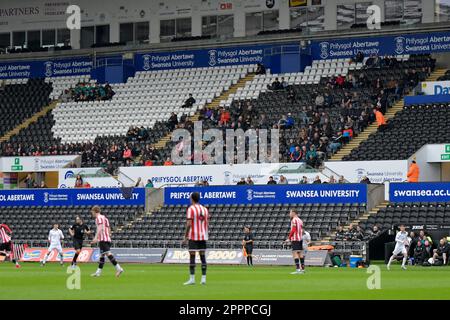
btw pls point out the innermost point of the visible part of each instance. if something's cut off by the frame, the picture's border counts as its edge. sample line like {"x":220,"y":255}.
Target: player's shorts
{"x":5,"y":246}
{"x":78,"y":244}
{"x":197,"y":245}
{"x":398,"y":250}
{"x":104,"y":247}
{"x":249,"y":249}
{"x":297,"y":245}
{"x":56,"y":247}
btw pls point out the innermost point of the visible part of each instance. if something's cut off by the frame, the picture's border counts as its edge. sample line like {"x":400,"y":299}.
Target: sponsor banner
{"x":214,"y":57}
{"x":36,"y":164}
{"x":45,"y":68}
{"x":376,"y":171}
{"x":317,"y":258}
{"x":306,"y":193}
{"x":66,"y":197}
{"x":134,"y":255}
{"x":225,"y":174}
{"x":436,"y":87}
{"x":297,"y":3}
{"x":96,"y":177}
{"x":213,"y":256}
{"x":37,"y":254}
{"x":419,"y":192}
{"x":382,"y":45}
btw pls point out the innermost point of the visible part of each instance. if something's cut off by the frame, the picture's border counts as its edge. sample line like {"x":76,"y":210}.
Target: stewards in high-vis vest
{"x":413,"y":172}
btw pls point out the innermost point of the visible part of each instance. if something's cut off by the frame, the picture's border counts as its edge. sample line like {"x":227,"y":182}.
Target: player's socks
{"x":204,"y":265}
{"x":248,"y":260}
{"x":113,"y":260}
{"x":74,"y":260}
{"x":251,"y":260}
{"x":297,"y":264}
{"x":389,"y":263}
{"x":203,"y":281}
{"x":191,"y":280}
{"x":302,"y":263}
{"x":404,"y":261}
{"x":101,"y":263}
{"x":97,"y":273}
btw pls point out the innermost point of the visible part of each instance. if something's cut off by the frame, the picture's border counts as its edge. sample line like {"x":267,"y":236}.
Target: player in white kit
{"x":55,"y":236}
{"x":401,"y":242}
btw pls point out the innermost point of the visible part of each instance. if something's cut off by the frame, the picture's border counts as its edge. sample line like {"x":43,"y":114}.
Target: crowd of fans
{"x":356,"y":233}
{"x":86,"y":91}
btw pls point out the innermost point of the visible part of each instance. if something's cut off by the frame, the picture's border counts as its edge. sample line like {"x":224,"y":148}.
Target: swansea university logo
{"x":249,"y":194}
{"x":212,"y":57}
{"x":46,"y":196}
{"x":324,"y":49}
{"x":399,"y":45}
{"x":146,"y":62}
{"x":48,"y":69}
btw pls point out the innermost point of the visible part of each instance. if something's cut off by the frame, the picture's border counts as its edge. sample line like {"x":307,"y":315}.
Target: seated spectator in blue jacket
{"x":289,"y":121}
{"x":296,"y":156}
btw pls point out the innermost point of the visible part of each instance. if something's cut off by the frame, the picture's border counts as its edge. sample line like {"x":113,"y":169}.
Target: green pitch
{"x":224,"y":282}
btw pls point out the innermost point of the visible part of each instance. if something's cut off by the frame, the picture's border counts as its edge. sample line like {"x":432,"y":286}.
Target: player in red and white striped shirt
{"x":196,"y":235}
{"x":103,"y":237}
{"x":6,"y":245}
{"x":296,"y":239}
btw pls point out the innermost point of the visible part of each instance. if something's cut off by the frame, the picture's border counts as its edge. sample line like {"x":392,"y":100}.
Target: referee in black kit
{"x":77,"y":231}
{"x":247,"y":245}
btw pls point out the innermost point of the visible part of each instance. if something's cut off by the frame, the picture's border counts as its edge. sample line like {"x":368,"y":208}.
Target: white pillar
{"x":330,"y":15}
{"x":428,"y":11}
{"x":154,"y":29}
{"x":75,"y":36}
{"x":239,"y":19}
{"x":284,"y":16}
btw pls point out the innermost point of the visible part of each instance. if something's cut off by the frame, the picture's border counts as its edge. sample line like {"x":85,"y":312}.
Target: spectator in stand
{"x":413,"y":172}
{"x":304,"y":180}
{"x":331,"y":180}
{"x":340,"y":234}
{"x":271,"y":181}
{"x":43,"y":185}
{"x":127,"y":154}
{"x":320,"y":100}
{"x":374,"y":232}
{"x":284,"y":85}
{"x":149,"y":184}
{"x":276,"y":85}
{"x":365,"y":180}
{"x":290,"y":122}
{"x":139,"y":183}
{"x":317,"y":180}
{"x":224,"y":117}
{"x":296,"y":156}
{"x":359,"y":234}
{"x":241,"y":182}
{"x":173,"y":121}
{"x":341,"y":179}
{"x":79,"y":183}
{"x":189,"y":102}
{"x":168,"y":162}
{"x":340,"y":80}
{"x":260,"y":69}
{"x":359,"y":57}
{"x":283,"y":180}
{"x":249,"y":181}
{"x":29,"y":181}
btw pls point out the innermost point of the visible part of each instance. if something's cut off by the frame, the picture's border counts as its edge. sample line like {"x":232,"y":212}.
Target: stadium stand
{"x":406,"y":133}
{"x":419,"y":213}
{"x":19,"y":101}
{"x":269,"y":222}
{"x":31,"y":224}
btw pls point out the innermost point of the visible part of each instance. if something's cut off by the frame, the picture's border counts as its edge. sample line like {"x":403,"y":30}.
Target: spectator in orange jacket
{"x":413,"y":172}
{"x":379,"y":117}
{"x":168,"y":162}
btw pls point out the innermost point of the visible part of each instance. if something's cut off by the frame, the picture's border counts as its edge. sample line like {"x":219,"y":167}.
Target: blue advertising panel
{"x":419,"y":192}
{"x":382,"y":45}
{"x":214,"y":57}
{"x":258,"y":194}
{"x":66,"y":197}
{"x":45,"y":68}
